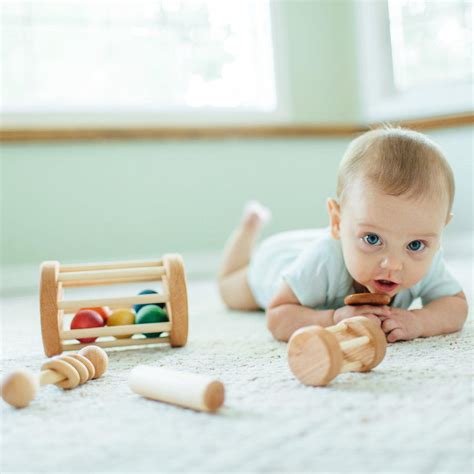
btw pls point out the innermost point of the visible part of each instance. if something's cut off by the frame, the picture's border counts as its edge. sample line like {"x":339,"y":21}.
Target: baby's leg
{"x":232,"y":277}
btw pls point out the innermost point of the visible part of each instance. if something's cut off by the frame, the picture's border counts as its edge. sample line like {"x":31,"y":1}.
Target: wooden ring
{"x":374,"y":299}
{"x":87,"y":363}
{"x":81,"y":369}
{"x":65,"y":369}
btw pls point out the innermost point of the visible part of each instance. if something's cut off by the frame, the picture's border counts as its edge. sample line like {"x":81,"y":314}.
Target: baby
{"x":395,"y":191}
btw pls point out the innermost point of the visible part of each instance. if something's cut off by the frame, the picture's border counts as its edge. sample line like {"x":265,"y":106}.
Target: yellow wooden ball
{"x":121,"y":317}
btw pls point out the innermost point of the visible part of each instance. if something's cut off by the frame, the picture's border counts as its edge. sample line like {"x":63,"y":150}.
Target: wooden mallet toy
{"x":67,"y":371}
{"x":169,"y":272}
{"x":316,"y":355}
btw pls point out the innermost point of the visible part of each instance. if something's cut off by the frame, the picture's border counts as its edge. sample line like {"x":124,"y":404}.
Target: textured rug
{"x":413,"y":413}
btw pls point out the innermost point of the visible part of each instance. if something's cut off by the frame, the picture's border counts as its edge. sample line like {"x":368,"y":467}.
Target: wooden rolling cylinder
{"x":179,"y":388}
{"x":316,"y":355}
{"x":55,"y":277}
{"x":19,"y":388}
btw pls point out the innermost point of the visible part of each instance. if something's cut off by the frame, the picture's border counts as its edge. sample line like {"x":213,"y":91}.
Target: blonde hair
{"x":399,"y":162}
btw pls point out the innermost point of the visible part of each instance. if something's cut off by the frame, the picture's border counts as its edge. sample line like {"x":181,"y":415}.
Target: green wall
{"x":315,"y":51}
{"x":104,"y":201}
{"x":114,"y":200}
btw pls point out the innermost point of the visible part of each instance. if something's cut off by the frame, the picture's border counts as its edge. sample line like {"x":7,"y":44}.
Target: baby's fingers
{"x":396,"y":335}
{"x":374,"y":318}
{"x":378,"y":310}
{"x":389,"y":325}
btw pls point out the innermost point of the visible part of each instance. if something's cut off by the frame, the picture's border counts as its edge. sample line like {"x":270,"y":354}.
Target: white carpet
{"x":413,"y":413}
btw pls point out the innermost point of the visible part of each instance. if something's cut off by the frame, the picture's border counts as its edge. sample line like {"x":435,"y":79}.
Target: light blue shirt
{"x":312,"y":264}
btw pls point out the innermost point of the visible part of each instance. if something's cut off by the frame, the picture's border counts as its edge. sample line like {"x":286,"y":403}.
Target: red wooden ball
{"x":104,"y":311}
{"x":87,"y":318}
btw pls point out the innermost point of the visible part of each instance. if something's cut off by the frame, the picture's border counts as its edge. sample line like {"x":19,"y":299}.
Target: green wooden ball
{"x":151,"y":314}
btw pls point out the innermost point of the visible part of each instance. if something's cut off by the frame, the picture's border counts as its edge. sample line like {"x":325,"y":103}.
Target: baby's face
{"x":388,"y":241}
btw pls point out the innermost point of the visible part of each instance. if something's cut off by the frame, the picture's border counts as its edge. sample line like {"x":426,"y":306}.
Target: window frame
{"x":379,"y":99}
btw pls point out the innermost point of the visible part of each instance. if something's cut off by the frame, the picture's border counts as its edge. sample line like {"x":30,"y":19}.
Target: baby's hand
{"x":371,"y":312}
{"x":401,"y":325}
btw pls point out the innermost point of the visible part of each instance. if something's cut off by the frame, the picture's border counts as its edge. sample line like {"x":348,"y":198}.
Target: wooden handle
{"x":50,"y":377}
{"x":126,"y":329}
{"x":92,"y":275}
{"x":121,"y":302}
{"x":184,"y":389}
{"x":109,"y":266}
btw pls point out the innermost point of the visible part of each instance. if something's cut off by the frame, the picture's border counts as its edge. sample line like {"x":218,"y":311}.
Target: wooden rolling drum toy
{"x":55,"y":277}
{"x":316,"y":355}
{"x":19,"y":388}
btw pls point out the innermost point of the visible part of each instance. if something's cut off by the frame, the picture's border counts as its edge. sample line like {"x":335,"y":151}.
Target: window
{"x":415,"y":58}
{"x":431,"y":42}
{"x":94,"y":56}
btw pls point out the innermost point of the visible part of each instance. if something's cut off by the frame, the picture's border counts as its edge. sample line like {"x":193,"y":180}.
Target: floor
{"x":412,"y":413}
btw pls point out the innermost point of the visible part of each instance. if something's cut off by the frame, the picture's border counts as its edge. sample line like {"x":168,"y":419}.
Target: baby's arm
{"x":441,"y":316}
{"x":285,"y":314}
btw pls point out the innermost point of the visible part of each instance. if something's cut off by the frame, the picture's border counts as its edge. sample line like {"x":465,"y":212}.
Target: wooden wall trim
{"x":216,"y":132}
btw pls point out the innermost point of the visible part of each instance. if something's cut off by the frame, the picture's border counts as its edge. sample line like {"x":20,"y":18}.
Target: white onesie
{"x":312,"y":264}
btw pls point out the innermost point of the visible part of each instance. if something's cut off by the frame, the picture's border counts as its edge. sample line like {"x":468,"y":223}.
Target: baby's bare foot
{"x":255,"y":215}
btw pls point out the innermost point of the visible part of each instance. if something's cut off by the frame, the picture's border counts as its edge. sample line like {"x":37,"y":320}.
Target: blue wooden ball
{"x":137,"y":307}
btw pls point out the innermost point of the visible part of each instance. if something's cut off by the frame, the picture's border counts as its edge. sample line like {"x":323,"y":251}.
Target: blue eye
{"x":416,"y":246}
{"x":372,"y":239}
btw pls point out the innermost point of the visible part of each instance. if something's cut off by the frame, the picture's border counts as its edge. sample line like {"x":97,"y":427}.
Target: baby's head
{"x":395,"y":192}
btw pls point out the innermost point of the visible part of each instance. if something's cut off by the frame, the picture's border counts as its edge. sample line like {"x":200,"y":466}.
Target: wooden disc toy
{"x":68,"y":371}
{"x":169,"y":272}
{"x":316,"y":355}
{"x":374,"y":299}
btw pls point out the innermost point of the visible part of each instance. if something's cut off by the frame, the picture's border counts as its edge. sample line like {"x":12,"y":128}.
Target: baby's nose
{"x":391,"y":262}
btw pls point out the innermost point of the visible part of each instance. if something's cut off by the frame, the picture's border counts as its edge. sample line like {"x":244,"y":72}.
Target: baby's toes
{"x":256,"y":214}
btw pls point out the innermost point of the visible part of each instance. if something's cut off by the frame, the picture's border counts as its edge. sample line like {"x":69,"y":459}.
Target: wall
{"x":105,"y":201}
{"x":316,"y":60}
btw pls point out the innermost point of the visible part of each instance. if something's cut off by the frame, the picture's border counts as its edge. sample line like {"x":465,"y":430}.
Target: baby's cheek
{"x":415,"y":272}
{"x":357,"y":264}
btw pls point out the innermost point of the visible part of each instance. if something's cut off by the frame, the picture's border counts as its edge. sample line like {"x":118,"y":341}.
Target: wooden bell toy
{"x":55,"y":277}
{"x":316,"y":355}
{"x":19,"y":388}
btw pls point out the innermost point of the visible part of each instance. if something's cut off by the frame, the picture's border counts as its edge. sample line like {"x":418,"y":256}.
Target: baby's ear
{"x":334,"y":217}
{"x":448,"y":219}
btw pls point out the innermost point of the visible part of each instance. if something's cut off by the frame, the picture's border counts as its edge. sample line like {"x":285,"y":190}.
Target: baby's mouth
{"x":385,"y":286}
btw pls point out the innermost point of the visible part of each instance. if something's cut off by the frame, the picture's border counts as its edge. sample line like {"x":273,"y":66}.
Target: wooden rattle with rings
{"x":316,"y":355}
{"x":67,"y":371}
{"x":169,"y":272}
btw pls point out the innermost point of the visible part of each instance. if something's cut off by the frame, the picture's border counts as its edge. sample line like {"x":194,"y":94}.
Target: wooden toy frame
{"x":55,"y":277}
